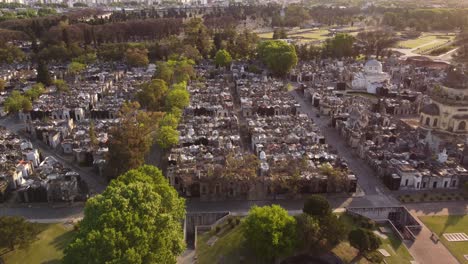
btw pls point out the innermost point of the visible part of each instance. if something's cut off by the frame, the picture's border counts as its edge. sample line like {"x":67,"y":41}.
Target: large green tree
{"x":279,"y":56}
{"x":198,"y":35}
{"x":152,"y":94}
{"x":167,"y":137}
{"x":131,"y":140}
{"x":43,"y":74}
{"x":342,"y":45}
{"x":307,"y":230}
{"x":270,"y":232}
{"x":223,"y":58}
{"x":177,"y":97}
{"x":317,"y":205}
{"x":137,"y":219}
{"x":364,"y":240}
{"x":16,"y":231}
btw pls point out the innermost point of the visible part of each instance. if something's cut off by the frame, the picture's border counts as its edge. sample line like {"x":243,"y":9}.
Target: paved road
{"x":368,"y":181}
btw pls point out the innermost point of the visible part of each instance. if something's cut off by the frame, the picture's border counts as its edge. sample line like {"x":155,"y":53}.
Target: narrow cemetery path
{"x":367,"y":179}
{"x":244,"y":135}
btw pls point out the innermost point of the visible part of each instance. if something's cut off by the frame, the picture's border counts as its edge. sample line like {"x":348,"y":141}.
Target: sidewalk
{"x":426,"y":251}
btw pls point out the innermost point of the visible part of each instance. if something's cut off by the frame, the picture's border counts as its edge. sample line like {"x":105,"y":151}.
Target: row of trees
{"x":368,"y":43}
{"x":137,"y":219}
{"x":17,"y":101}
{"x":427,"y":19}
{"x":272,"y":233}
{"x":152,"y":119}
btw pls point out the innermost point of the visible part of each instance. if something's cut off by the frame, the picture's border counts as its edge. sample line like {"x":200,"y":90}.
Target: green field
{"x":230,"y":248}
{"x":426,"y":41}
{"x":450,"y":224}
{"x":48,"y":248}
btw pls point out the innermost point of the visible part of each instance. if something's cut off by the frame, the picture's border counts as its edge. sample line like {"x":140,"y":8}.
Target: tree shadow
{"x":62,"y":241}
{"x":53,"y":261}
{"x":451,"y":221}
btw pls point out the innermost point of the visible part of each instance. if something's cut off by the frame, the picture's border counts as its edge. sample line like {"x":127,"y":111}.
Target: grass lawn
{"x":48,"y":249}
{"x":266,"y":35}
{"x":450,"y":224}
{"x":414,"y":43}
{"x":319,"y":34}
{"x":426,"y":41}
{"x":229,"y":247}
{"x":398,"y":251}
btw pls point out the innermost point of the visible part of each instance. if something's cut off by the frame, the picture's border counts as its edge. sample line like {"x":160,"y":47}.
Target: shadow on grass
{"x":54,"y":261}
{"x":62,"y":241}
{"x":451,"y":220}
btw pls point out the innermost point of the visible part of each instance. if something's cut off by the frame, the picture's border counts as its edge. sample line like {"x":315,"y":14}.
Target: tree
{"x":76,"y":67}
{"x":170,"y":120}
{"x":62,"y":86}
{"x":152,"y":94}
{"x":2,"y":85}
{"x":131,"y":140}
{"x":164,"y":72}
{"x":179,"y":98}
{"x":35,"y":92}
{"x":43,"y":74}
{"x":307,"y":230}
{"x":364,"y":240}
{"x":280,"y":34}
{"x":279,"y":56}
{"x":332,"y":231}
{"x":342,"y":45}
{"x":223,"y":58}
{"x":15,"y":102}
{"x":270,"y":232}
{"x":197,"y":34}
{"x":26,"y":105}
{"x":137,"y":219}
{"x":136,"y":57}
{"x":167,"y":137}
{"x":374,"y":42}
{"x":15,"y":231}
{"x":10,"y":53}
{"x":317,"y":205}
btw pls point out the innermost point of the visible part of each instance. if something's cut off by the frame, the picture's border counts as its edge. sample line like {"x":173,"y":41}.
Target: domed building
{"x":448,"y":110}
{"x":371,"y":78}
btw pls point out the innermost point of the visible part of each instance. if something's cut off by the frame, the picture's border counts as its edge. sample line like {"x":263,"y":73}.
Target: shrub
{"x":229,"y":220}
{"x":217,"y":229}
{"x":237,"y":221}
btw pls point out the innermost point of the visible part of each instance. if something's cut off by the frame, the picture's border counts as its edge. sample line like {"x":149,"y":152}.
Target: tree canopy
{"x":223,"y":58}
{"x":16,"y":231}
{"x":167,"y":137}
{"x":364,"y":240}
{"x":317,"y":205}
{"x":131,"y":140}
{"x":137,"y":219}
{"x":340,"y":46}
{"x":136,"y":57}
{"x":177,"y":97}
{"x":279,"y":56}
{"x":270,"y":232}
{"x":152,"y":95}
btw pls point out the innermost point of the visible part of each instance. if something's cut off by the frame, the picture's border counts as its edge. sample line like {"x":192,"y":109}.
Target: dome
{"x":431,"y":109}
{"x":373,"y":63}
